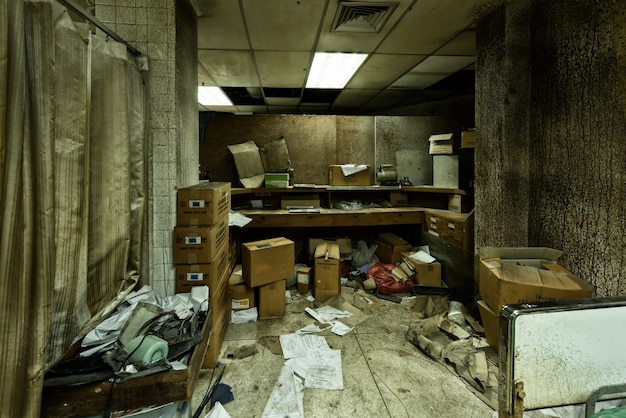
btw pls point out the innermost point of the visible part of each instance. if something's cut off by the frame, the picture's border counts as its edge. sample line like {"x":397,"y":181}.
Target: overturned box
{"x":344,"y":243}
{"x":202,"y":204}
{"x":327,"y":271}
{"x":525,"y":275}
{"x":349,"y":175}
{"x":267,"y":261}
{"x":389,"y":247}
{"x":441,"y":144}
{"x":199,"y":244}
{"x":426,"y":274}
{"x":272,"y":299}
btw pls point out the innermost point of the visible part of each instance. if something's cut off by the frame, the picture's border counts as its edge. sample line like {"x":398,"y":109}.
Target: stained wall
{"x":551,"y":153}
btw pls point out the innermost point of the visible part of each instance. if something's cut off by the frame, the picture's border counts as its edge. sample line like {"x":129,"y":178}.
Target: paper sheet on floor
{"x":340,"y":329}
{"x":218,"y":411}
{"x":320,"y":368}
{"x":327,"y":314}
{"x":294,"y":345}
{"x":286,"y":397}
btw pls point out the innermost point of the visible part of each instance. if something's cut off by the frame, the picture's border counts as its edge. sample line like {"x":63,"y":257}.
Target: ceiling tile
{"x":223,"y":29}
{"x":252,"y":109}
{"x":387,"y":98}
{"x":204,"y":78}
{"x":282,"y":101}
{"x":230,"y":68}
{"x":354,"y":97}
{"x":282,"y":69}
{"x":442,"y":64}
{"x":283,"y":25}
{"x":428,"y":25}
{"x":380,"y":70}
{"x":462,"y":44}
{"x":417,"y":81}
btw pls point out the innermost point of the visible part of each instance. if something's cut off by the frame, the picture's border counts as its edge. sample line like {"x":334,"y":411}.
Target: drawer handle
{"x":451,"y":225}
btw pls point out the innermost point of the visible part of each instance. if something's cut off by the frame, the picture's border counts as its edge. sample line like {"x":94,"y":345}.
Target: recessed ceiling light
{"x":333,"y":70}
{"x":212,"y":96}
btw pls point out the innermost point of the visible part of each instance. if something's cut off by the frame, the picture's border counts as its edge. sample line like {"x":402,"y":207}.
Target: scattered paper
{"x":217,"y":411}
{"x":327,"y":314}
{"x":309,"y":329}
{"x":340,"y":329}
{"x":286,"y":397}
{"x":243,"y":316}
{"x":320,"y":368}
{"x":294,"y":345}
{"x":423,"y":257}
{"x":178,"y":365}
{"x":237,"y":219}
{"x":349,"y":169}
{"x":310,"y":298}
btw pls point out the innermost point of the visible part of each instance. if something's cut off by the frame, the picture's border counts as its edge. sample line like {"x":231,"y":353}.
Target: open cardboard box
{"x":525,"y":275}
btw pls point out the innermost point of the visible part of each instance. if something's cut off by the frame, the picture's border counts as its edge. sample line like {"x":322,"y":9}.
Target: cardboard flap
{"x":521,"y":274}
{"x":350,"y":169}
{"x":327,"y":250}
{"x":275,"y":156}
{"x":441,"y":137}
{"x":520,"y":253}
{"x":248,"y":163}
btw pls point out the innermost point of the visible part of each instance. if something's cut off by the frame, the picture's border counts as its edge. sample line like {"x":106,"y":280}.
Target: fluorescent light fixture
{"x":212,"y":96}
{"x":333,"y":70}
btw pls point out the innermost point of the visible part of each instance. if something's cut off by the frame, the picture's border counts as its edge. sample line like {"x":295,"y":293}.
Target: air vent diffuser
{"x":356,"y":16}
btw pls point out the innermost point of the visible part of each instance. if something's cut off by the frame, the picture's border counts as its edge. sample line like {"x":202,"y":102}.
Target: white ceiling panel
{"x":251,"y":109}
{"x":354,"y":98}
{"x":417,"y":81}
{"x":442,"y":64}
{"x":282,"y":69}
{"x":283,"y":25}
{"x":462,"y":44}
{"x":204,"y":78}
{"x":380,"y":70}
{"x":224,"y":29}
{"x":428,"y":25}
{"x":230,"y":68}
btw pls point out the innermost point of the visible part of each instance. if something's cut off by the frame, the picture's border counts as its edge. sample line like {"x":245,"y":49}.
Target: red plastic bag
{"x":385,"y":283}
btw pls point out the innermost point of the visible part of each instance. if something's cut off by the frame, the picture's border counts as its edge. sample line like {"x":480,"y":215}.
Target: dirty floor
{"x":384,"y":375}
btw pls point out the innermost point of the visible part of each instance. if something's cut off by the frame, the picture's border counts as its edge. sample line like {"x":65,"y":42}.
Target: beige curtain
{"x":73,"y":153}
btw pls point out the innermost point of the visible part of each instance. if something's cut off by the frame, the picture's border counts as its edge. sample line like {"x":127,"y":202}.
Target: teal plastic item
{"x":611,"y":413}
{"x":147,"y":349}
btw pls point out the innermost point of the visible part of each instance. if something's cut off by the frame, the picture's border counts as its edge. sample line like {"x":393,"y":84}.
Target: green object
{"x":277,"y":180}
{"x":611,"y":413}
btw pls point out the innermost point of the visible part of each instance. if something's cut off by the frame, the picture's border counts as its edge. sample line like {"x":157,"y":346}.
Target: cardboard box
{"x":327,"y":271}
{"x":207,"y":274}
{"x":525,"y":275}
{"x":202,"y":204}
{"x":345,"y":246}
{"x":304,"y":277}
{"x":272,"y":299}
{"x":399,"y":199}
{"x":242,"y":296}
{"x":441,"y":144}
{"x":218,"y":332}
{"x":446,"y":171}
{"x":267,"y":261}
{"x":300,"y":200}
{"x":199,"y":244}
{"x":336,"y":176}
{"x":248,"y":163}
{"x":468,"y":139}
{"x":390,"y":247}
{"x":426,"y":274}
{"x":491,"y":324}
{"x":277,"y":180}
{"x":457,"y":203}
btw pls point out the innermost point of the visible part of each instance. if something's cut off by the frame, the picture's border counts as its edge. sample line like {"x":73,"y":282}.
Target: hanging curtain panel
{"x":69,"y":304}
{"x":73,"y":189}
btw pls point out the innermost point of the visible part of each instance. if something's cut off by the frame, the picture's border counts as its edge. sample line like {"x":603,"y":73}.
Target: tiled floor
{"x":384,"y":375}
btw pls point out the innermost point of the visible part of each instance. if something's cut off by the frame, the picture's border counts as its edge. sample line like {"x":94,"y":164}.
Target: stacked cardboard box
{"x":327,"y":271}
{"x":522,"y":275}
{"x":266,"y":266}
{"x":202,"y":253}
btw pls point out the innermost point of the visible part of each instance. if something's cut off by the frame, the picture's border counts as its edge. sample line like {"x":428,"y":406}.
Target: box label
{"x":193,"y":240}
{"x":196,"y":204}
{"x":195,"y":276}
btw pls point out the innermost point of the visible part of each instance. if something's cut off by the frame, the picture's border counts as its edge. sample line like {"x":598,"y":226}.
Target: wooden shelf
{"x":281,"y":218}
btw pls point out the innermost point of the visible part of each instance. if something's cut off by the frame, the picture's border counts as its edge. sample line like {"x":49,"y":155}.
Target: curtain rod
{"x":82,"y":12}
